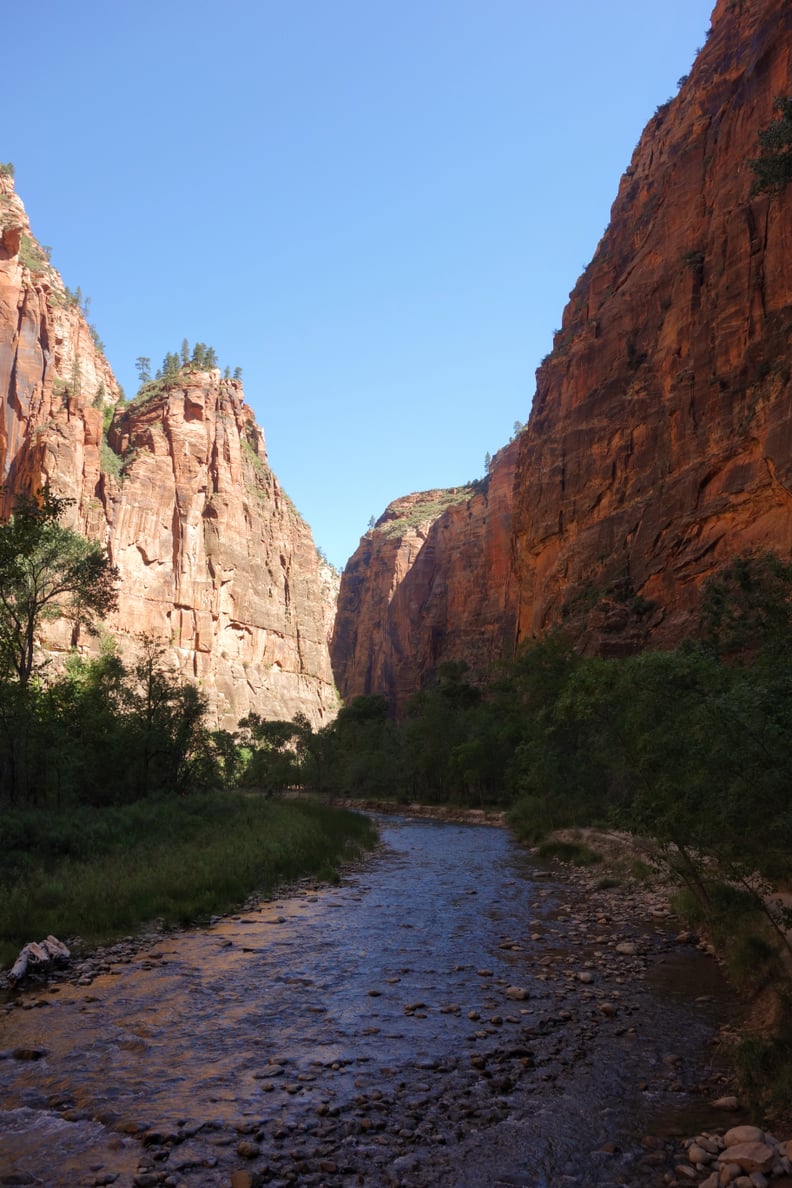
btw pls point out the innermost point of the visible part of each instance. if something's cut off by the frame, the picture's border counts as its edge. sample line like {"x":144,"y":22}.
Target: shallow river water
{"x":451,"y":1014}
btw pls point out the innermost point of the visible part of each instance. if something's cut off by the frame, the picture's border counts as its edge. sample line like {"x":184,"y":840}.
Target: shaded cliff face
{"x":213,"y":558}
{"x":660,"y":441}
{"x":428,"y":584}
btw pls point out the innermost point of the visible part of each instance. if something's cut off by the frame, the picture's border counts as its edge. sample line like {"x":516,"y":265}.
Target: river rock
{"x":743,"y":1134}
{"x":751,"y":1156}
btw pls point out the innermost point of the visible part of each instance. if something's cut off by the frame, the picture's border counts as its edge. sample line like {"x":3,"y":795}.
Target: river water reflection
{"x":371,"y":1033}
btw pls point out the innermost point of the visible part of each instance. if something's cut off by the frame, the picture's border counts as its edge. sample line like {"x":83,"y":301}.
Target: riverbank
{"x":450,"y":813}
{"x":89,"y":878}
{"x":455,"y":1013}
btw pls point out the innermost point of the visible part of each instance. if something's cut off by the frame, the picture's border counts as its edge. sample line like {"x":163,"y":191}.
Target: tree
{"x":173,"y":750}
{"x":273,"y":764}
{"x":143,"y":365}
{"x":185,"y":352}
{"x":47,"y":572}
{"x":773,"y":166}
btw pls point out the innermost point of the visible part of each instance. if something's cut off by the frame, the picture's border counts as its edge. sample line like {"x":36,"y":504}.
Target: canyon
{"x":659,"y":443}
{"x":212,"y":556}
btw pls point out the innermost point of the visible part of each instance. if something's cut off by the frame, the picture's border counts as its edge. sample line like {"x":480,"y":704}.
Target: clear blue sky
{"x":375,"y":208}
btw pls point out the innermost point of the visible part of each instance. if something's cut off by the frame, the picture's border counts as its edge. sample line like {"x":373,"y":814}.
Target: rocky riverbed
{"x":453,"y":1014}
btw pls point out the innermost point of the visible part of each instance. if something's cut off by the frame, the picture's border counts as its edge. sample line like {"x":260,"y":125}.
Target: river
{"x":450,"y":1014}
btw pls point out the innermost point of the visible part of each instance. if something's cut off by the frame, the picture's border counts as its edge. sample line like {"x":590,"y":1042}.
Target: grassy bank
{"x":102,"y":873}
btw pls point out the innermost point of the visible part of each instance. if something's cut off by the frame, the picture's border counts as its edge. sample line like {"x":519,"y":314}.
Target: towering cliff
{"x":430,"y":582}
{"x":660,"y":438}
{"x":213,"y":557}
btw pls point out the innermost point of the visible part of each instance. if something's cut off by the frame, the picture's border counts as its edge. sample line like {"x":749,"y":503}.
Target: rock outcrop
{"x":213,"y":557}
{"x":430,"y":582}
{"x":660,"y":439}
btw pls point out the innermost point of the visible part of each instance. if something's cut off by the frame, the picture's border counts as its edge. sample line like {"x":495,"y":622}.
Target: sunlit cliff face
{"x":213,"y":557}
{"x":660,"y":440}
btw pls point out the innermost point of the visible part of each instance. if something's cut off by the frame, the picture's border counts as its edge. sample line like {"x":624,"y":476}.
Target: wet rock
{"x":247,"y":1150}
{"x":752,"y":1156}
{"x":743,"y":1134}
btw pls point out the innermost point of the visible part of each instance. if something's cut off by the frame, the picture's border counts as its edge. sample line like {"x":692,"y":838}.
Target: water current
{"x":450,"y":1014}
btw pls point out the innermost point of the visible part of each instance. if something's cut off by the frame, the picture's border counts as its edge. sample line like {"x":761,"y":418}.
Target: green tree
{"x":273,"y":764}
{"x":173,"y":749}
{"x":143,"y":364}
{"x":47,"y":572}
{"x":773,"y":166}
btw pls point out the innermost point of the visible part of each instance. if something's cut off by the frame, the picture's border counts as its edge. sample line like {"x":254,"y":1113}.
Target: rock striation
{"x":213,"y":557}
{"x":660,"y":439}
{"x":430,"y":582}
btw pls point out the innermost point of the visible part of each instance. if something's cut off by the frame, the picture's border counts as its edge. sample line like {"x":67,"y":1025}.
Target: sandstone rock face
{"x":429,"y":583}
{"x":213,"y":558}
{"x":660,"y":440}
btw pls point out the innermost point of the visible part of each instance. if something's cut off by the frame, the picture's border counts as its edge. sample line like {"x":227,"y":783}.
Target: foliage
{"x":773,"y":166}
{"x":7,"y":169}
{"x":47,"y":571}
{"x":427,"y":508}
{"x":31,"y":254}
{"x":101,"y":874}
{"x":109,"y":461}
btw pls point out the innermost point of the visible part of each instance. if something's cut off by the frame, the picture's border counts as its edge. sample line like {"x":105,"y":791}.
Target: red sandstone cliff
{"x":660,"y":440}
{"x":213,"y":557}
{"x":430,"y":582}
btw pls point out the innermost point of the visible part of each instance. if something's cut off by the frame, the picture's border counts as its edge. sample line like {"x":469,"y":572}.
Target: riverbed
{"x":453,"y":1013}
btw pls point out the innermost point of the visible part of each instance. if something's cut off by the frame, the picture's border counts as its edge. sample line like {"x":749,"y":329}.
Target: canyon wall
{"x":213,"y":558}
{"x":660,"y":438}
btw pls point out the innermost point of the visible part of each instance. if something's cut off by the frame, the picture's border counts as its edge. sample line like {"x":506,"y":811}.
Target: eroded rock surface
{"x":213,"y":557}
{"x":660,"y":439}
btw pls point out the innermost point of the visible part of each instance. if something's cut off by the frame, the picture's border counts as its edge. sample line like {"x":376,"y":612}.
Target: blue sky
{"x":376,"y":209}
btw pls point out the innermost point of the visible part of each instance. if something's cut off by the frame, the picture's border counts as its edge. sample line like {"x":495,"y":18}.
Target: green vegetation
{"x":175,"y":366}
{"x":32,"y":255}
{"x":688,"y":749}
{"x":773,"y":166}
{"x":426,"y":508}
{"x":177,"y":860}
{"x":109,"y":461}
{"x":7,"y":169}
{"x":114,"y":801}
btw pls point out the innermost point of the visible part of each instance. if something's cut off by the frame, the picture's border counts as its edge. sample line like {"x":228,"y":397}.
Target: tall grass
{"x":100,"y":874}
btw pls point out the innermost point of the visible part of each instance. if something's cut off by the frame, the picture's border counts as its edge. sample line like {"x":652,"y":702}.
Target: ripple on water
{"x":373,"y":1010}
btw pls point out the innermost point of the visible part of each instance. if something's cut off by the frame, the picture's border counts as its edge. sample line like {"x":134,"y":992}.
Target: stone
{"x":248,"y":1150}
{"x":751,"y":1156}
{"x":697,"y":1154}
{"x":659,"y":442}
{"x":212,"y":555}
{"x":743,"y":1134}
